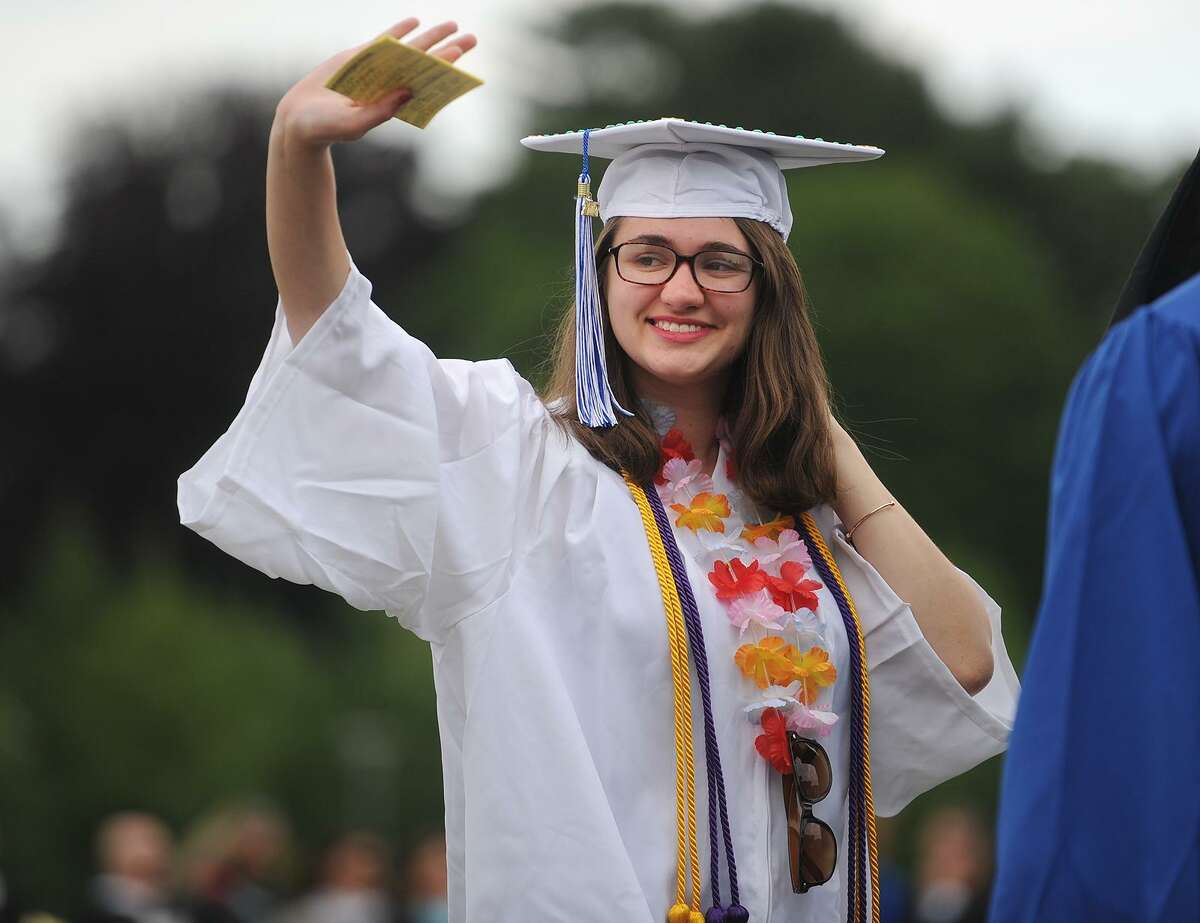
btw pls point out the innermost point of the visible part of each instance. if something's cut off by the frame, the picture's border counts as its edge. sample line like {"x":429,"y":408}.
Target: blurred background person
{"x":134,"y":852}
{"x":953,"y":869}
{"x":234,"y":860}
{"x":426,"y":882}
{"x":354,"y":885}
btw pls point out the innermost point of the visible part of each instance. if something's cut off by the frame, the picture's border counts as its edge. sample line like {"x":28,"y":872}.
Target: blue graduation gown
{"x":1100,"y":810}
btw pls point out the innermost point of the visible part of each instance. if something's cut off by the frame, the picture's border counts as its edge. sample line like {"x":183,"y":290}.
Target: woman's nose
{"x":681,"y":289}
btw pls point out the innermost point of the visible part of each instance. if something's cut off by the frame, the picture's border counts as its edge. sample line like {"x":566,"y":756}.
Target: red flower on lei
{"x":790,"y":590}
{"x":736,"y":579}
{"x":772,"y":744}
{"x":673,"y":446}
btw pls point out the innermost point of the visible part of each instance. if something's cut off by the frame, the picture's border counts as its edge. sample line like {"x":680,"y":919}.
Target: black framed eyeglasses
{"x":812,"y":847}
{"x":726,"y":272}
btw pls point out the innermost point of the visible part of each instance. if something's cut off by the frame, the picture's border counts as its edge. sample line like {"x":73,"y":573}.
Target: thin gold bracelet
{"x":868,"y":516}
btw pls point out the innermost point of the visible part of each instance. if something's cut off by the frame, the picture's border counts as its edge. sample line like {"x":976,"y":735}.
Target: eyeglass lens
{"x":810,"y":766}
{"x":715,"y":270}
{"x":812,"y":847}
{"x":813,"y":852}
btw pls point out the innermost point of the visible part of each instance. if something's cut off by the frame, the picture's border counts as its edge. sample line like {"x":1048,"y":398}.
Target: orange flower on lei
{"x":769,"y":662}
{"x":769,"y":530}
{"x":774,"y":662}
{"x":708,"y":511}
{"x":815,"y":672}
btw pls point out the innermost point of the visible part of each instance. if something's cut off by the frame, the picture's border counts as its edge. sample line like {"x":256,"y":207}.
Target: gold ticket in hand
{"x":387,"y":65}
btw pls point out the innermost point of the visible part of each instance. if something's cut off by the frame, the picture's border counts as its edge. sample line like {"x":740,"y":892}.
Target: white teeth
{"x":676,"y":328}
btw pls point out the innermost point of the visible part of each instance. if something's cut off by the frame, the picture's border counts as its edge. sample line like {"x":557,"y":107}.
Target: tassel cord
{"x":595,"y":404}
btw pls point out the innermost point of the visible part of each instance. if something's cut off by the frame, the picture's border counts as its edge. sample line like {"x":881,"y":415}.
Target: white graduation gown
{"x":441,"y":492}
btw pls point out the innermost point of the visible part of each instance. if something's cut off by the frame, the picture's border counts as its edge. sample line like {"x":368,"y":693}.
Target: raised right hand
{"x":313,"y":116}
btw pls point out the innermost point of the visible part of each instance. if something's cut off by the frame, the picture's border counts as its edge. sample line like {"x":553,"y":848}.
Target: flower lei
{"x":762,"y":574}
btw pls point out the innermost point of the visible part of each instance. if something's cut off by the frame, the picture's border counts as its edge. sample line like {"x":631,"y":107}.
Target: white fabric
{"x":696,"y":180}
{"x":442,"y":492}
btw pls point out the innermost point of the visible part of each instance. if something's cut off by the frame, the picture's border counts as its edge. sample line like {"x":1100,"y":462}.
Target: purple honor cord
{"x":734,"y":913}
{"x":855,"y":880}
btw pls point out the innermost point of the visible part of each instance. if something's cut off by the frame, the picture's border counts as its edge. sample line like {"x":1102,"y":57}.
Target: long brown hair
{"x":776,"y":403}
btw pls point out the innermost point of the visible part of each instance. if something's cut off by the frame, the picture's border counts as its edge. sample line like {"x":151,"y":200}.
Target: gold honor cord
{"x":865,"y":686}
{"x":685,"y":762}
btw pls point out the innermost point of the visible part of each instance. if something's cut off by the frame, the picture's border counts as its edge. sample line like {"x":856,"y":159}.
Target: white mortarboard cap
{"x":672,"y":168}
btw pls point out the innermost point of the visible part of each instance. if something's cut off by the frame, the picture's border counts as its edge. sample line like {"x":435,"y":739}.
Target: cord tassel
{"x":593,"y":394}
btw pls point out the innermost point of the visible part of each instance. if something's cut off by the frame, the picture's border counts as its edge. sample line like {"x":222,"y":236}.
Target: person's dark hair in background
{"x":1171,"y":254}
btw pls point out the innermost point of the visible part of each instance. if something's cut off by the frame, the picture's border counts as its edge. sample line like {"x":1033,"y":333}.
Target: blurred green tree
{"x":148,"y":692}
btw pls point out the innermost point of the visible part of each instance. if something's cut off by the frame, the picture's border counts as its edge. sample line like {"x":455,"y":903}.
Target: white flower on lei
{"x":727,"y":544}
{"x":781,"y":698}
{"x":804,"y":720}
{"x":809,"y":626}
{"x":661,"y":415}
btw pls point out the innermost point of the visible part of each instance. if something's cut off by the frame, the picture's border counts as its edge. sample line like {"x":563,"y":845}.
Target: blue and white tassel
{"x":593,"y":394}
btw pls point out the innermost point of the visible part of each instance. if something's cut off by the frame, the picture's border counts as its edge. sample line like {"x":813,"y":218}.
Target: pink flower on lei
{"x":788,"y":547}
{"x":759,"y":608}
{"x":810,"y":722}
{"x":683,"y":480}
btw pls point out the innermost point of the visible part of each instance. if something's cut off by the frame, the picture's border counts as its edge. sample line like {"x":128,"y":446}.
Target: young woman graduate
{"x":673,"y":612}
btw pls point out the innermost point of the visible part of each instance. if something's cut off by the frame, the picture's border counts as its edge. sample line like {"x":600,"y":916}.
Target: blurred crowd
{"x":239,"y":865}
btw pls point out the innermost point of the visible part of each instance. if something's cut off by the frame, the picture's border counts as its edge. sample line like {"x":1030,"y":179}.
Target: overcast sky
{"x":1116,"y":79}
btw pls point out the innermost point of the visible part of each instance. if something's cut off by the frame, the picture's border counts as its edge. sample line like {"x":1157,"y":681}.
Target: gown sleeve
{"x":366,"y":466}
{"x":1100,"y":810}
{"x":925,"y":728}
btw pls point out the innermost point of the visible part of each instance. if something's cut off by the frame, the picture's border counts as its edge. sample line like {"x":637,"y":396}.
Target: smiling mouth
{"x":674,"y":327}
